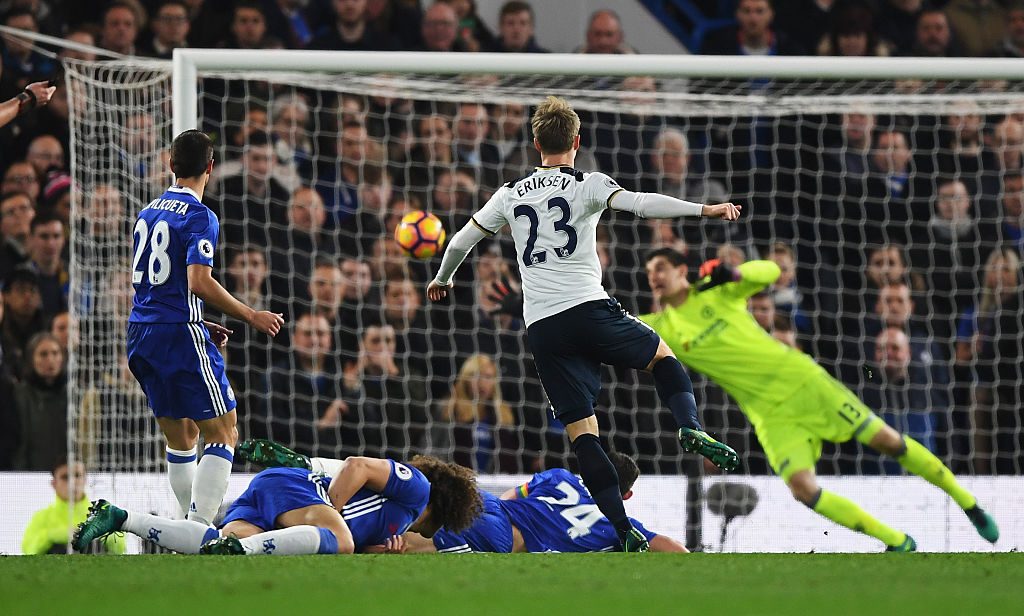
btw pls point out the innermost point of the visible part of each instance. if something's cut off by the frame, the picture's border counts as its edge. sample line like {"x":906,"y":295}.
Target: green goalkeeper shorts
{"x":823,"y":409}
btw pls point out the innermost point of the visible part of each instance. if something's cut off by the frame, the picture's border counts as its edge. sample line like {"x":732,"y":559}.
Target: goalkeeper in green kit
{"x":792,"y":402}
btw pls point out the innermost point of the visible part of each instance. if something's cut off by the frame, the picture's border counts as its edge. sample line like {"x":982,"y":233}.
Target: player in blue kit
{"x":553,"y":512}
{"x":294,"y":511}
{"x":171,"y":350}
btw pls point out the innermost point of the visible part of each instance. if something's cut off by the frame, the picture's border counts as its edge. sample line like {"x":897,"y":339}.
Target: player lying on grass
{"x":572,"y":324}
{"x":553,"y":512}
{"x":294,"y":511}
{"x":792,"y":402}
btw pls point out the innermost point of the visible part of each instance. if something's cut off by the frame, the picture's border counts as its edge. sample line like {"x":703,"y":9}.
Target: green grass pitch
{"x":534,"y":584}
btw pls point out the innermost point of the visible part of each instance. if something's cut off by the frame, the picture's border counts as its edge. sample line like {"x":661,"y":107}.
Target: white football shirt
{"x":553,"y":214}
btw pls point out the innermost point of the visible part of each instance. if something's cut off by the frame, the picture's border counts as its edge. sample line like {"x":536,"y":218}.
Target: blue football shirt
{"x":557,"y":514}
{"x":373,"y":517}
{"x":172,"y":232}
{"x":491,"y":532}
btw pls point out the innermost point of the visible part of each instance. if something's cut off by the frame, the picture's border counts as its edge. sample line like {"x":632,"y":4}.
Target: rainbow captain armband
{"x":523,"y":491}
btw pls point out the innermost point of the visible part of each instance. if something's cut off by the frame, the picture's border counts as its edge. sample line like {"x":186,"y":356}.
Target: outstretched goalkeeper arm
{"x":743,"y":281}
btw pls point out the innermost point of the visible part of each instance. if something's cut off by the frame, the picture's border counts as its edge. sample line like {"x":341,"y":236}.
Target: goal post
{"x":361,"y":129}
{"x":188,"y":63}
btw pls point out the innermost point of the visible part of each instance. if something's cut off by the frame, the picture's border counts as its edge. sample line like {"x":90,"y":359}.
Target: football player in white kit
{"x":573,"y":326}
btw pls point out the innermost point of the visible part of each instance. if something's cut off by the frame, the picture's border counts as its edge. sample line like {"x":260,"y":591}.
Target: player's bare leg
{"x":211,"y":480}
{"x":599,"y":475}
{"x":182,"y":436}
{"x":317,"y":529}
{"x":804,"y":486}
{"x":676,"y":392}
{"x":241,"y":529}
{"x":918,"y":460}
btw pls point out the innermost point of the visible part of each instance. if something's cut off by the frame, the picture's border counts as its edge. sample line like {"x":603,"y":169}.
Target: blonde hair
{"x":555,"y":125}
{"x":463,"y":407}
{"x":989,"y":295}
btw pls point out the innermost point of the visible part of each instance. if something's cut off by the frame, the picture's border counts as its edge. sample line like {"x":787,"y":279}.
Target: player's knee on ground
{"x":345,"y":544}
{"x":888,"y":441}
{"x":804,"y":487}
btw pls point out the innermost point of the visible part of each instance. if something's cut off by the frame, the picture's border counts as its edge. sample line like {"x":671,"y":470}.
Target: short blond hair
{"x":555,"y":125}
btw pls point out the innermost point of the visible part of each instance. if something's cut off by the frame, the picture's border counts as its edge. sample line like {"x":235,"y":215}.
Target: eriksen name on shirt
{"x":544,"y":181}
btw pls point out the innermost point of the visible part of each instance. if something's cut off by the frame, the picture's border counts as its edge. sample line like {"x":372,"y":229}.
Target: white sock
{"x":181,"y":471}
{"x":184,"y":536}
{"x":284,"y":542}
{"x":327,"y":466}
{"x":211,"y":482}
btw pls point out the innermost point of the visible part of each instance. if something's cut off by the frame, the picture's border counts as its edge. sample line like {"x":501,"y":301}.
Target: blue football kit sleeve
{"x":201,"y":238}
{"x":373,"y":517}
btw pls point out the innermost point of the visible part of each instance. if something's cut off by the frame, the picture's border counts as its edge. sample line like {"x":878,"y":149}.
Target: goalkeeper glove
{"x":720,"y":274}
{"x":509,"y":301}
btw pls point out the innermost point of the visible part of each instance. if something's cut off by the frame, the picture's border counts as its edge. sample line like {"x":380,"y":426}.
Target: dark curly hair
{"x":454,"y":499}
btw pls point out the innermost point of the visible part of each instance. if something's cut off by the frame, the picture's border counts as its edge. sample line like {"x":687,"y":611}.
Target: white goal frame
{"x":187,"y":64}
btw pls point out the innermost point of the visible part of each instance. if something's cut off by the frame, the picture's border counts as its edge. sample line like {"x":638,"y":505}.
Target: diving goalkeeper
{"x":792,"y":402}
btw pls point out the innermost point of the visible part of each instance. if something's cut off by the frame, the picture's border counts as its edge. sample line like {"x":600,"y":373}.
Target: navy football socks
{"x":676,"y":391}
{"x":598,"y":474}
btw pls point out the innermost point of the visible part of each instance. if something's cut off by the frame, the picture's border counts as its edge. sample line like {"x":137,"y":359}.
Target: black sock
{"x":599,"y":476}
{"x":676,"y":391}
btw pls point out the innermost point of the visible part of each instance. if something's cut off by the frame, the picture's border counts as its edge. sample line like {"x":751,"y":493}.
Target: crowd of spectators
{"x":899,"y":237}
{"x":154,"y":28}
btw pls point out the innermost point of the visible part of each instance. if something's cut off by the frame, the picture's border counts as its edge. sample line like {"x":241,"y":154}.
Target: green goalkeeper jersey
{"x":712,"y":332}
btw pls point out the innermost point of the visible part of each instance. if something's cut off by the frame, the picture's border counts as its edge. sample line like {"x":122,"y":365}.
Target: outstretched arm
{"x":358,"y":473}
{"x":458,"y":249}
{"x":202,"y":283}
{"x":34,"y":95}
{"x":654,"y":205}
{"x":745,"y":280}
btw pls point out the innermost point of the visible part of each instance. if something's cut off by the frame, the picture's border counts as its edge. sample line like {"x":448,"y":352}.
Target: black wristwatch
{"x":26,"y":100}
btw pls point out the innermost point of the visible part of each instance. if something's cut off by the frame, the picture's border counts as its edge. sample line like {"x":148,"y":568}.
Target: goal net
{"x":892,"y":207}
